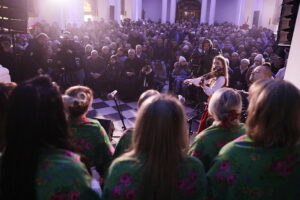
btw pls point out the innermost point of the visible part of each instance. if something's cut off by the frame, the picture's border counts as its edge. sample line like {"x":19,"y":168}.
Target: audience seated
{"x":225,"y":107}
{"x":238,"y":78}
{"x":180,"y":73}
{"x":157,"y":167}
{"x":90,"y":137}
{"x":39,"y":161}
{"x":264,"y":164}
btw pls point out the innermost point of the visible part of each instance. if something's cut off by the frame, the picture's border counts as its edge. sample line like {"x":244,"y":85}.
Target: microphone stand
{"x":120,"y":114}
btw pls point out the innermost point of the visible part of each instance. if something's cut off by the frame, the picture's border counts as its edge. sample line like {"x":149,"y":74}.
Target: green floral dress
{"x":125,"y":175}
{"x":92,"y":141}
{"x":208,"y":143}
{"x":124,"y":143}
{"x":61,"y":176}
{"x":245,"y":171}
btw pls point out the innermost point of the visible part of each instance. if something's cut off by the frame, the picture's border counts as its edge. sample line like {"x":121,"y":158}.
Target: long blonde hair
{"x":225,"y":67}
{"x":161,"y":136}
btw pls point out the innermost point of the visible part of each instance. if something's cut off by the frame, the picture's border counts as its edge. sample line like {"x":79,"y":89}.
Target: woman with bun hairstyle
{"x":89,"y":136}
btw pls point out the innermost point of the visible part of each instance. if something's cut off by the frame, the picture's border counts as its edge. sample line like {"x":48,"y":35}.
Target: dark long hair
{"x":274,"y":113}
{"x":5,"y":91}
{"x":35,"y":121}
{"x":161,"y":135}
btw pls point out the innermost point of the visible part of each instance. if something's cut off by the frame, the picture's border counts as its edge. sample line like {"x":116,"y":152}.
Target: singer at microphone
{"x":112,"y":95}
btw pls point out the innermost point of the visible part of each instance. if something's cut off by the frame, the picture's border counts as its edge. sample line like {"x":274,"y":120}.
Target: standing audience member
{"x":129,"y":77}
{"x":264,"y":164}
{"x":95,"y":71}
{"x":35,"y":57}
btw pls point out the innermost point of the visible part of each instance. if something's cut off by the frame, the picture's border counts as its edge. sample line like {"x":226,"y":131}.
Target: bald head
{"x":260,"y":72}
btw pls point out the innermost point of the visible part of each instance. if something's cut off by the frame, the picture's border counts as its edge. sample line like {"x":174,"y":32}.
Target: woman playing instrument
{"x":211,"y":82}
{"x":214,"y":80}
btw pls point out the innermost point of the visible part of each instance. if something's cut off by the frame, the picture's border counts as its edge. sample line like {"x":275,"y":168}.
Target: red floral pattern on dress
{"x":116,"y":192}
{"x":125,"y":180}
{"x":225,"y":166}
{"x":130,"y":194}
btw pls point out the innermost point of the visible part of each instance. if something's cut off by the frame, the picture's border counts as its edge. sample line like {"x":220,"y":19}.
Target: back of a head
{"x":147,"y":94}
{"x":77,"y":100}
{"x":161,"y":136}
{"x":274,"y":113}
{"x":35,"y":121}
{"x":225,"y":106}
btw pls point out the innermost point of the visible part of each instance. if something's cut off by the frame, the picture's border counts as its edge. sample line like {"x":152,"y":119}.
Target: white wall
{"x":270,"y":7}
{"x":269,"y":12}
{"x":63,"y":12}
{"x":153,"y":9}
{"x":293,"y":65}
{"x":226,"y":10}
{"x":128,"y":8}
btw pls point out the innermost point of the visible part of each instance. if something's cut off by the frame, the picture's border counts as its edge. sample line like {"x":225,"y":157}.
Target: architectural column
{"x":133,"y":9}
{"x":103,"y":9}
{"x":118,"y":11}
{"x":136,"y":12}
{"x":203,"y":11}
{"x":74,"y":12}
{"x":164,"y":8}
{"x":139,"y":9}
{"x":173,"y":11}
{"x":240,"y":17}
{"x":212,"y":11}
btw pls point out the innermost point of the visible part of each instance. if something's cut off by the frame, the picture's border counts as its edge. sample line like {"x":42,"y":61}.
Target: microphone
{"x":181,"y":99}
{"x":112,"y":95}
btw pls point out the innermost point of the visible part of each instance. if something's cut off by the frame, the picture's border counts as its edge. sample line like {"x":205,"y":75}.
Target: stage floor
{"x":106,"y":109}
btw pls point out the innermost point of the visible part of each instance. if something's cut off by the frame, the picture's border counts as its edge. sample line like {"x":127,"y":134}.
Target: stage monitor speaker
{"x":287,"y":22}
{"x":13,"y":16}
{"x":107,"y":125}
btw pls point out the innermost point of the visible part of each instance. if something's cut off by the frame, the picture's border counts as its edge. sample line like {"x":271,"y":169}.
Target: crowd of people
{"x":50,"y":149}
{"x":136,"y":56}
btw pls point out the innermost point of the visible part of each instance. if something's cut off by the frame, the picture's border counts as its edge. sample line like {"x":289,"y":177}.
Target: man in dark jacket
{"x":128,"y":84}
{"x":70,"y":58}
{"x":35,"y":57}
{"x":95,"y":73}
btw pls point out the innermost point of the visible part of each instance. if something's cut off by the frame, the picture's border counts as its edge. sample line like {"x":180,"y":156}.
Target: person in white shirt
{"x":216,"y":79}
{"x":210,"y":83}
{"x":4,"y":75}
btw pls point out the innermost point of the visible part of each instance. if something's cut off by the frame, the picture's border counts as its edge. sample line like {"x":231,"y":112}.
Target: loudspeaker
{"x":255,"y":18}
{"x":108,"y":125}
{"x":112,"y":12}
{"x":13,"y":16}
{"x":287,"y":22}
